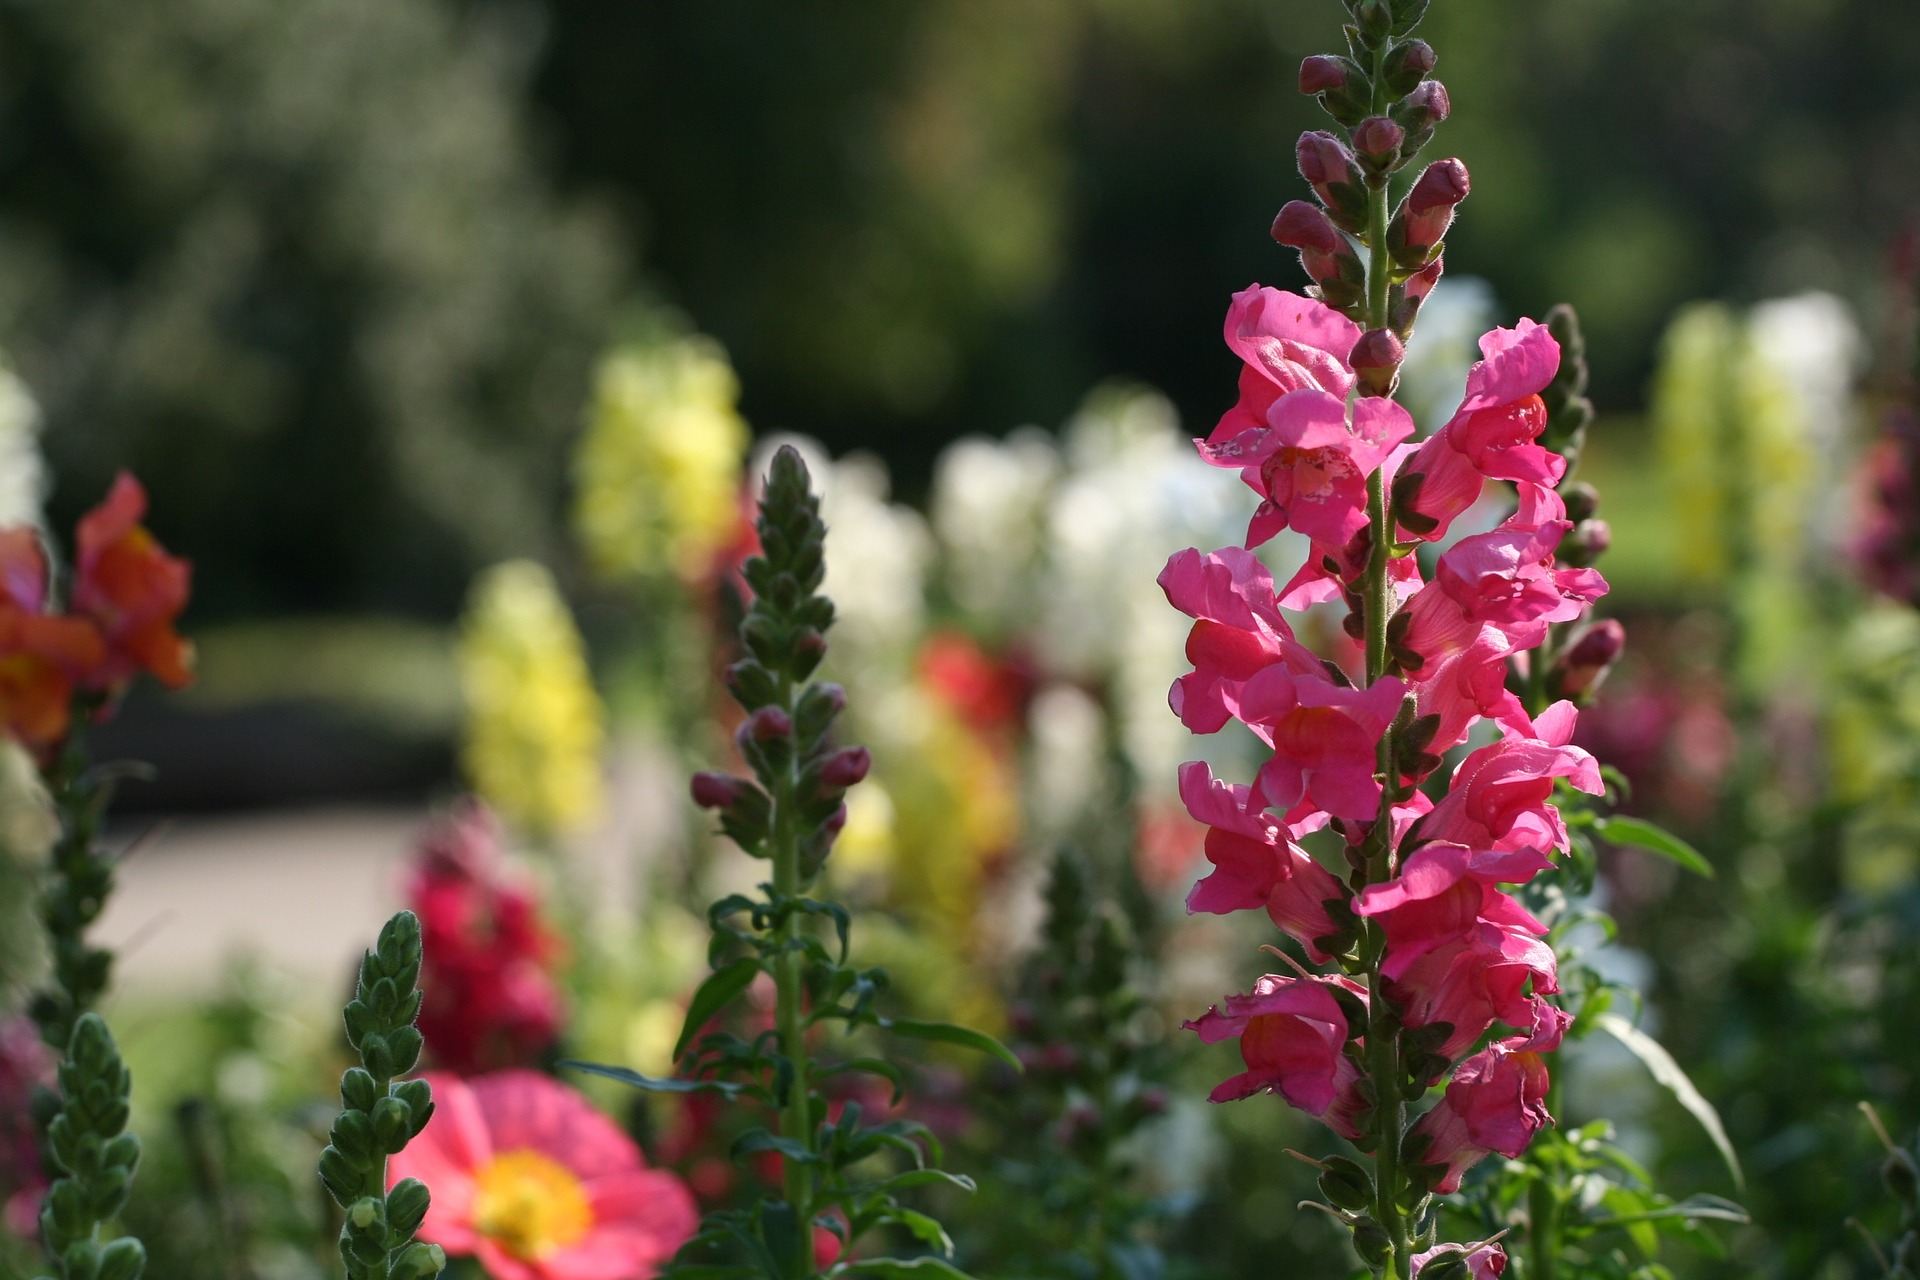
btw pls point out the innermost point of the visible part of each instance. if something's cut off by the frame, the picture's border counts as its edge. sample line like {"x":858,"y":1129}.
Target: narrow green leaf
{"x":1641,"y":834}
{"x":921,"y":1178}
{"x":911,"y":1270}
{"x":872,"y":1066}
{"x":925,"y":1230}
{"x":720,"y":988}
{"x":1668,"y":1073}
{"x":1693,"y":1208}
{"x":654,"y":1084}
{"x":947,"y":1033}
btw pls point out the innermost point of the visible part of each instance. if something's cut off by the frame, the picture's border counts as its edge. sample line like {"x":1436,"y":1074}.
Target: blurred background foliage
{"x":330,"y":275}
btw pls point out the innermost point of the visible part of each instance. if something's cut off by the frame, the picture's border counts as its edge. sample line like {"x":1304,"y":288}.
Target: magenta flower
{"x":1469,"y":685}
{"x":1490,"y":975}
{"x":1255,"y":864}
{"x":1443,"y":893}
{"x":1484,"y":1261}
{"x":1492,"y":434}
{"x":1323,"y":737}
{"x":1501,"y":795}
{"x":1496,"y":1101}
{"x":1238,"y":632}
{"x":1286,"y":343}
{"x":1293,"y":1037}
{"x":1310,"y":462}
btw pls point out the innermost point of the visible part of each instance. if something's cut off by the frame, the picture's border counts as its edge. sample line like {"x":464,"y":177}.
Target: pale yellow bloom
{"x":534,"y":723}
{"x":659,"y":466}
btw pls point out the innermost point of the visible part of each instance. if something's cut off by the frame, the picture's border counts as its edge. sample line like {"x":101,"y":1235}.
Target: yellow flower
{"x":534,"y":722}
{"x":659,"y":466}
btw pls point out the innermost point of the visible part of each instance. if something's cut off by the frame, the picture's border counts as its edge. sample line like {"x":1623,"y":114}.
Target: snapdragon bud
{"x":766,"y":725}
{"x":1403,"y":300}
{"x":1582,"y":501}
{"x":1424,"y":217}
{"x":1420,"y":112}
{"x":845,"y":768}
{"x":1335,"y":176}
{"x":1376,"y":361}
{"x":1378,"y":141}
{"x":1326,"y":255}
{"x":1581,"y":668}
{"x":1587,"y":542}
{"x":1323,"y":72}
{"x":1407,"y":64}
{"x":716,"y":790}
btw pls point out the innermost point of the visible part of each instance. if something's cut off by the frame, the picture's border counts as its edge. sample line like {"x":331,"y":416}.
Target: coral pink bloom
{"x":1491,"y":975}
{"x":1285,"y":343}
{"x":40,"y":657}
{"x":527,"y":1177}
{"x":1501,"y":795}
{"x":1484,"y":1261}
{"x":1310,"y":461}
{"x":1254,"y":863}
{"x":127,"y":583}
{"x":1237,"y":633}
{"x":1443,"y":893}
{"x":1496,"y":1101}
{"x":1293,"y":1037}
{"x":1467,"y":686}
{"x":1323,"y":737}
{"x":1492,"y":434}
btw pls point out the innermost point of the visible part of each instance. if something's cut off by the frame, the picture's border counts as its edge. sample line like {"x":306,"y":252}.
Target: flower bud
{"x":1376,"y":361}
{"x":1323,"y":72}
{"x":767,"y":724}
{"x":1587,"y":542}
{"x":1424,"y":217}
{"x":1403,"y":300}
{"x":1419,"y":113}
{"x":836,"y":822}
{"x":845,"y":768}
{"x":1585,"y":663}
{"x":1335,"y":177}
{"x":1407,"y":64}
{"x":1582,"y":501}
{"x":1326,"y":255}
{"x":716,"y":790}
{"x":1378,"y":141}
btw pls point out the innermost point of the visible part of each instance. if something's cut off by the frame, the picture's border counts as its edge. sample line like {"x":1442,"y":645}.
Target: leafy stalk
{"x":380,"y":1114}
{"x":95,"y":1157}
{"x":77,"y":889}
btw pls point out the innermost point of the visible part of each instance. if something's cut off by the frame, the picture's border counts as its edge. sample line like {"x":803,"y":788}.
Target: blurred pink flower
{"x":24,"y":1063}
{"x":537,"y":1185}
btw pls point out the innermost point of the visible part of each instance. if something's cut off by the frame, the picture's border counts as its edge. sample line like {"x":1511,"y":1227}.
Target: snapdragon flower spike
{"x":88,"y":1146}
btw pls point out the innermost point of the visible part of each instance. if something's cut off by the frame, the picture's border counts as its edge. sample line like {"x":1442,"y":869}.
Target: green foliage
{"x":88,"y":1146}
{"x":76,"y":892}
{"x":380,"y":1115}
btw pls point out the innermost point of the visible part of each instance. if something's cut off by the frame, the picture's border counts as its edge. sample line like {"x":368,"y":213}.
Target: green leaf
{"x":947,"y":1033}
{"x":912,"y":1270}
{"x":1641,"y":834}
{"x":719,"y":990}
{"x":1668,"y":1073}
{"x":754,"y":1141}
{"x":926,"y":1230}
{"x":921,"y":1178}
{"x":1693,"y":1208}
{"x":654,"y":1084}
{"x":872,"y":1066}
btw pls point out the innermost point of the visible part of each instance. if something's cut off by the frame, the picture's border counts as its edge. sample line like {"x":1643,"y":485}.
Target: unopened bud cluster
{"x":800,"y":777}
{"x":1381,"y":95}
{"x":88,"y":1145}
{"x":380,"y":1115}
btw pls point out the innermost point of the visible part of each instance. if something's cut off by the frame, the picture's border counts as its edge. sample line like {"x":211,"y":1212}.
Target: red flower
{"x":133,"y":590}
{"x":41,"y":657}
{"x":527,"y":1177}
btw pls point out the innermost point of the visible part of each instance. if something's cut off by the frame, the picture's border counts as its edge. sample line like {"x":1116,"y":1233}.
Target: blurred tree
{"x":294,"y":264}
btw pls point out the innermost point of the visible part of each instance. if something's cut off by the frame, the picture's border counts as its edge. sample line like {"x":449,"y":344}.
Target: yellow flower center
{"x":530,"y":1204}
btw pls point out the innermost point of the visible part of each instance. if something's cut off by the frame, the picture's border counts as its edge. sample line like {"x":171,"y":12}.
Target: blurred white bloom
{"x":28,"y":825}
{"x":1069,"y":732}
{"x":1811,"y":344}
{"x":989,"y":512}
{"x":1444,"y":346}
{"x":23,"y":477}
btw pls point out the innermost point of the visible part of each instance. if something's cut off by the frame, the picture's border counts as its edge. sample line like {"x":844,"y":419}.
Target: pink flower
{"x":25,"y":1063}
{"x":1255,"y":864}
{"x":1237,"y":633}
{"x":1286,"y":343}
{"x":1310,"y":460}
{"x":1467,"y":686}
{"x":1496,"y":1101}
{"x":1490,"y":975}
{"x":1501,"y":795}
{"x":1443,"y":893}
{"x":1324,"y":738}
{"x":1484,"y":1261}
{"x":1293,"y":1037}
{"x":527,"y":1177}
{"x":1491,"y":435}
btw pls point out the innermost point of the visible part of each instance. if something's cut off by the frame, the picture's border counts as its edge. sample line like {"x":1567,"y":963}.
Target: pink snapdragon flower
{"x":1309,"y":462}
{"x":1443,"y":893}
{"x":1238,"y":632}
{"x":1496,"y":1101}
{"x":1484,"y":1261}
{"x":1255,"y":863}
{"x":1468,"y":686}
{"x":1323,"y":737}
{"x":1492,"y":434}
{"x":1285,"y":343}
{"x":1501,"y":795}
{"x":1492,"y":974}
{"x":1293,"y":1035}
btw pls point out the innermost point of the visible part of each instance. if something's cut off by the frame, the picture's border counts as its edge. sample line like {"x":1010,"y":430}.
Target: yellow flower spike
{"x":658,"y":469}
{"x":534,"y":723}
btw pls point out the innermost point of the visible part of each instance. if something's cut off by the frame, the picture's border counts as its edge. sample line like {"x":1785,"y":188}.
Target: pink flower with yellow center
{"x":537,"y":1185}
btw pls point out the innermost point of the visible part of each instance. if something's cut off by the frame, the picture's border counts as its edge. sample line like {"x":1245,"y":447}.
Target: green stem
{"x":796,"y":1116}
